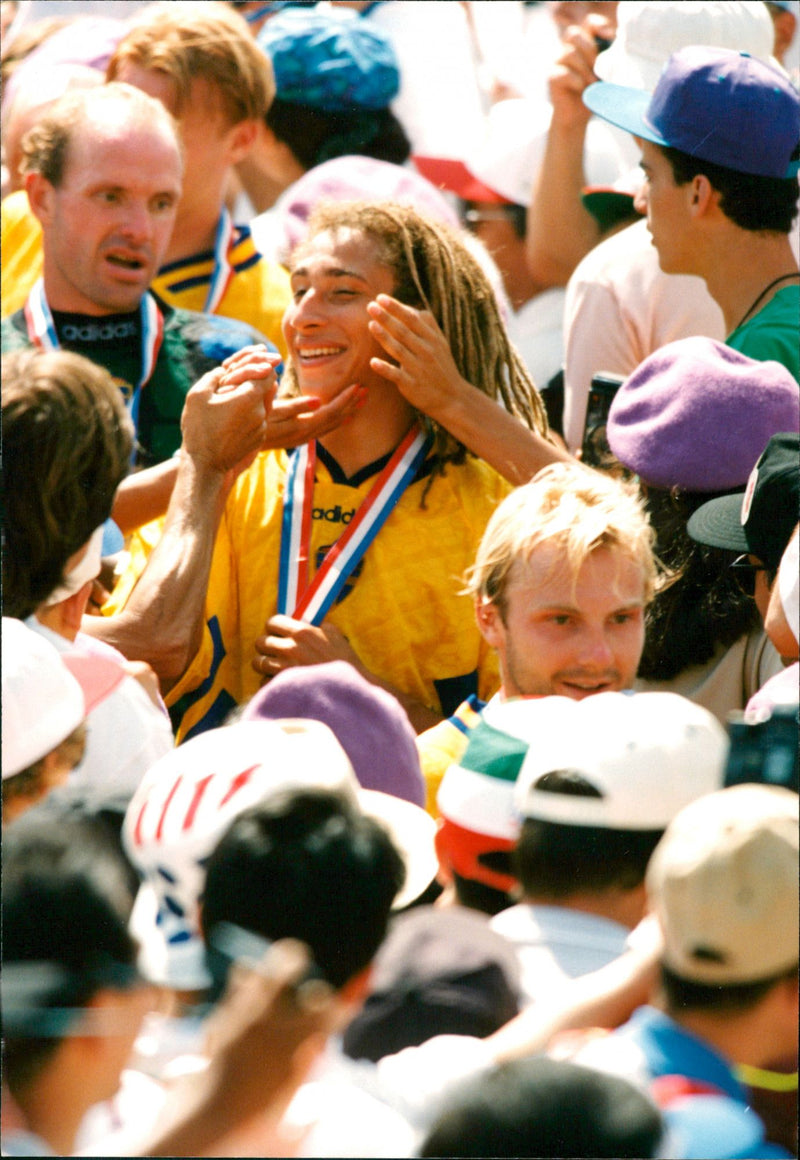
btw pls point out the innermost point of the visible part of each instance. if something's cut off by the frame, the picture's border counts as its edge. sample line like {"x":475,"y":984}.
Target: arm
{"x":288,"y":642}
{"x":604,"y":998}
{"x":424,"y":370}
{"x":224,"y":424}
{"x":263,"y":1039}
{"x":560,"y":230}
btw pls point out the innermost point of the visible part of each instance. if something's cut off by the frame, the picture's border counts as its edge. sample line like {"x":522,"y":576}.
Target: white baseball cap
{"x":723,"y":883}
{"x":189,"y":798}
{"x":46,"y":694}
{"x":648,"y":754}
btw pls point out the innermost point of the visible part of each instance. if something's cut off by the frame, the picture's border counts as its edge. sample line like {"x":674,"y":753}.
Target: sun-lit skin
{"x":667,"y":206}
{"x":107,"y":225}
{"x":327,"y":332}
{"x":568,"y":639}
{"x":326,"y":325}
{"x":210,"y":146}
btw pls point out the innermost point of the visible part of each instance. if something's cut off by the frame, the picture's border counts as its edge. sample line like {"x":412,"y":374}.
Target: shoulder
{"x":212,"y":335}
{"x":14,"y":333}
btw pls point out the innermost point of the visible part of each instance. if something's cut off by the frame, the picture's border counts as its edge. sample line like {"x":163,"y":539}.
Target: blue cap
{"x":332,"y":61}
{"x":716,"y":104}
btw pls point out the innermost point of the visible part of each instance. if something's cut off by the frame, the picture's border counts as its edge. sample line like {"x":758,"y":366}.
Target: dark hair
{"x":751,"y":202}
{"x":553,"y":860}
{"x":66,"y":447}
{"x":66,"y":903}
{"x":314,"y":135}
{"x":478,"y":896}
{"x":307,"y":865}
{"x":548,"y":1108}
{"x":703,"y":608}
{"x":728,"y":998}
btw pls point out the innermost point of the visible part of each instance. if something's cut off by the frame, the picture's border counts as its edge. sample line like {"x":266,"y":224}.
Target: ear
{"x":703,"y":197}
{"x":490,"y":622}
{"x":241,"y":139}
{"x":41,"y":196}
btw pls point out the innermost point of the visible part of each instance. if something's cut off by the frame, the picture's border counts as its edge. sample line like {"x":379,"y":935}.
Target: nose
{"x":596,"y":650}
{"x":305,"y":313}
{"x":137,"y":225}
{"x":640,"y":198}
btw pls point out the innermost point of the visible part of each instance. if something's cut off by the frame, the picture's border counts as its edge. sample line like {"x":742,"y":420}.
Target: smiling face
{"x":572,"y":639}
{"x":107,"y":225}
{"x":326,"y":325}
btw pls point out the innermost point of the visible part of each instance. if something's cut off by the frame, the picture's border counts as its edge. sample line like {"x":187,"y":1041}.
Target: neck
{"x":195,"y":230}
{"x":743,"y":269}
{"x":373,"y":431}
{"x":750,"y":1037}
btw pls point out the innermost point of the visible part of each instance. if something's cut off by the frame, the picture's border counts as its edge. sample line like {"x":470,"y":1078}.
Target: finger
{"x":389,"y":310}
{"x":387,"y":370}
{"x":290,"y":408}
{"x":244,"y":352}
{"x":394,"y":345}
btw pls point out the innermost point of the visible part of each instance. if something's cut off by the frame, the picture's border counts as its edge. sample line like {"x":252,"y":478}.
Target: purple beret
{"x":369,"y":723}
{"x":697,"y":414}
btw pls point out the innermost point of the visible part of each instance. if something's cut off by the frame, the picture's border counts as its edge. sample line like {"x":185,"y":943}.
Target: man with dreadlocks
{"x":351,"y":548}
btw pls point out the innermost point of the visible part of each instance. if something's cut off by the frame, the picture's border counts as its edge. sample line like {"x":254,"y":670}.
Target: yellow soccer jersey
{"x":20,"y":252}
{"x":258,"y":292}
{"x":402,"y":610}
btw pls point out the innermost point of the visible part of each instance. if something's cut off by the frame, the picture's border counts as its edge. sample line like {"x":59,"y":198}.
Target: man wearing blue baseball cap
{"x":719,"y":140}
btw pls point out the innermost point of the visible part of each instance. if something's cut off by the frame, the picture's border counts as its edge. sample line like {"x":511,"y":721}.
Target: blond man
{"x":562,"y":578}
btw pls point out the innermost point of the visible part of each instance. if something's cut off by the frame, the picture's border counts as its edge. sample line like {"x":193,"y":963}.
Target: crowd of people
{"x":401,"y":608}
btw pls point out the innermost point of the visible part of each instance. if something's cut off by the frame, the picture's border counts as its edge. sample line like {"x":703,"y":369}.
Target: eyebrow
{"x":333,"y":272}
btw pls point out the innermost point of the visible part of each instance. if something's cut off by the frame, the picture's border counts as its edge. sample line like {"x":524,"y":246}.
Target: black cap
{"x":760,"y":520}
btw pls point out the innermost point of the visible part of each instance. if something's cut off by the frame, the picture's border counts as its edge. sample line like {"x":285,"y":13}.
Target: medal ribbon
{"x":312,"y":602}
{"x":223,"y":270}
{"x":43,"y":335}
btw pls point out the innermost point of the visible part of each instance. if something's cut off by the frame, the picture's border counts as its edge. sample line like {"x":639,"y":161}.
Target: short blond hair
{"x":577,"y":509}
{"x":201,"y":41}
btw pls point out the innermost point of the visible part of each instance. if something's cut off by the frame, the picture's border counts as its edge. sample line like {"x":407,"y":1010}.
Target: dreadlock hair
{"x":434,"y":271}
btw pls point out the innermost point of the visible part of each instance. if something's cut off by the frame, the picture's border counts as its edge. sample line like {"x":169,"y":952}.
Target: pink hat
{"x":355,"y":178}
{"x":46,"y":694}
{"x":697,"y":415}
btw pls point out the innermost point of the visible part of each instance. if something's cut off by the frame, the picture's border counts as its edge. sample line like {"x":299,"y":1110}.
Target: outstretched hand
{"x":422,"y":368}
{"x":573,"y":70}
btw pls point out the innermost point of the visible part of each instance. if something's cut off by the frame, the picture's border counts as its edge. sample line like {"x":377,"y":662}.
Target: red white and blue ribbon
{"x":312,"y":602}
{"x":42,"y":333}
{"x":223,"y":270}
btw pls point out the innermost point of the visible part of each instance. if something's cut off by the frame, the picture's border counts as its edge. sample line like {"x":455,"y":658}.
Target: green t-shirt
{"x":774,"y":332}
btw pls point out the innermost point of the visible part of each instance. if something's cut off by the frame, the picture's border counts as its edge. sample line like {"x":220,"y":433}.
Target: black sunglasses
{"x":744,"y":571}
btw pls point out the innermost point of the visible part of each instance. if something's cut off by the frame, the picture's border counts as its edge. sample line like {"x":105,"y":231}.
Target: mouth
{"x":309,"y":355}
{"x":127,"y":262}
{"x":578,"y":688}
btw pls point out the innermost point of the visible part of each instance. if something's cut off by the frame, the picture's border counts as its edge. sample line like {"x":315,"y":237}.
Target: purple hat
{"x":356,"y":178}
{"x":716,"y":104}
{"x":697,"y":414}
{"x":369,"y":723}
